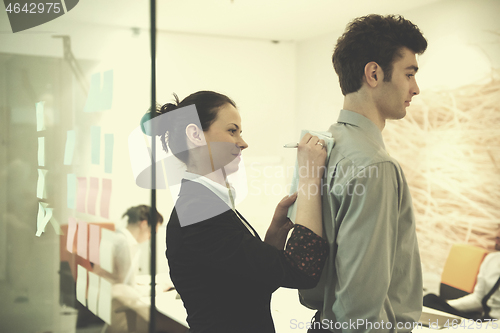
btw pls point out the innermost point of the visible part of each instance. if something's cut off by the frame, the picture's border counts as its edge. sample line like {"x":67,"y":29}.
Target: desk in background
{"x":287,"y":313}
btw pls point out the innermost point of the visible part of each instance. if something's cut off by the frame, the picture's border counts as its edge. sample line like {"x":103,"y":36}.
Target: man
{"x":484,"y":302}
{"x":372,"y":280}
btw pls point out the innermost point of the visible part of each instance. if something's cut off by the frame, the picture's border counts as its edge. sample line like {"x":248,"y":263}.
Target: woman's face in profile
{"x":224,"y":139}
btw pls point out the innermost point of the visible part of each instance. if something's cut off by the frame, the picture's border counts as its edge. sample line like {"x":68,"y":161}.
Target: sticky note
{"x":106,"y":95}
{"x":92,"y":102}
{"x":108,"y":152}
{"x":106,"y":250}
{"x":100,"y":99}
{"x":44,"y":216}
{"x":41,"y":193}
{"x":70,"y":238}
{"x":104,"y":304}
{"x":81,"y":194}
{"x":81,"y":285}
{"x":71,"y":190}
{"x":41,"y":151}
{"x":94,"y":243}
{"x":93,"y":292}
{"x":105,"y":197}
{"x":40,"y":117}
{"x":95,"y":144}
{"x":70,"y":147}
{"x":92,"y":197}
{"x":81,"y":243}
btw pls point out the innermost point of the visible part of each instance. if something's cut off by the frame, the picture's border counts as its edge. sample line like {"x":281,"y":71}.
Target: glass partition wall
{"x":71,"y":92}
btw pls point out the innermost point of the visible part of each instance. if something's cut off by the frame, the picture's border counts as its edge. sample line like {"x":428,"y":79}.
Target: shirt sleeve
{"x":367,"y":242}
{"x":223,"y":245}
{"x":472,"y":302}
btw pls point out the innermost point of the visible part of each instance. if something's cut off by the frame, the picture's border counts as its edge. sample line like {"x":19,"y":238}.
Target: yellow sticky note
{"x":81,"y":285}
{"x":104,"y":304}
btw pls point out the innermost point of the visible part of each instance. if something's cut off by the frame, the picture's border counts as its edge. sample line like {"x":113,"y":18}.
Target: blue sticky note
{"x":71,"y":196}
{"x":70,"y":147}
{"x":40,"y":118}
{"x":109,"y":140}
{"x":95,"y":144}
{"x":106,"y":96}
{"x":93,"y":98}
{"x":41,"y":151}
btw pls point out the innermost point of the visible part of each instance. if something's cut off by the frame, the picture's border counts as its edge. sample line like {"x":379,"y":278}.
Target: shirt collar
{"x":130,"y":238}
{"x":221,"y":191}
{"x":365,"y":124}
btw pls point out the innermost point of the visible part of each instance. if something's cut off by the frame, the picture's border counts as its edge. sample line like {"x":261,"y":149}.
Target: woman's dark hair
{"x":141,"y":213}
{"x":207,"y":105}
{"x":373,"y":38}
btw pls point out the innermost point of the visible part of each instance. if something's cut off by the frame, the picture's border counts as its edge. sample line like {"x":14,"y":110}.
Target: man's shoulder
{"x":355,"y":149}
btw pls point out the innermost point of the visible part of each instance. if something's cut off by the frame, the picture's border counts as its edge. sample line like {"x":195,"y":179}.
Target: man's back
{"x":374,"y":272}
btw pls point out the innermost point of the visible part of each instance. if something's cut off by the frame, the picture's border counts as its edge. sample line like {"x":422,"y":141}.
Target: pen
{"x":291,"y":145}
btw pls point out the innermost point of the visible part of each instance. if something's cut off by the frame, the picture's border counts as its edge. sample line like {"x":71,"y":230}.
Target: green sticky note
{"x":40,"y":187}
{"x":95,"y":144}
{"x":109,"y":140}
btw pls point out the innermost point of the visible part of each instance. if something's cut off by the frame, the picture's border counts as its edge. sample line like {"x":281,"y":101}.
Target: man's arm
{"x":367,"y":245}
{"x":472,"y":302}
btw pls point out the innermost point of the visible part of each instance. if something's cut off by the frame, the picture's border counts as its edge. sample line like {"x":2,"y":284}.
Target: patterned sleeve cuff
{"x":307,"y":251}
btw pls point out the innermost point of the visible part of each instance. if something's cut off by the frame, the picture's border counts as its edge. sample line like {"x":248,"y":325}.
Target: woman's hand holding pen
{"x":311,"y":157}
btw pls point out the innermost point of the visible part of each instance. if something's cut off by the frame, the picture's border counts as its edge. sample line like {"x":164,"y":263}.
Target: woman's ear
{"x":373,"y":74}
{"x":143,"y":224}
{"x":195,"y":135}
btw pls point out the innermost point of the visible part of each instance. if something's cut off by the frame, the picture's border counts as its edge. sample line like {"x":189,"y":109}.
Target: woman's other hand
{"x":280,"y":225}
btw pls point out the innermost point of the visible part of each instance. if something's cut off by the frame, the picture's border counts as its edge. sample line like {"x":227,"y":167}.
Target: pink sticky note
{"x":94,"y":240}
{"x":81,"y":194}
{"x":105,"y":197}
{"x":70,"y":240}
{"x":93,"y":191}
{"x":81,"y":246}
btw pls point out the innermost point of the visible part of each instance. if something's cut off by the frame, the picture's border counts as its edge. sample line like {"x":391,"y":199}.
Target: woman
{"x":224,"y":273}
{"x":126,"y":251}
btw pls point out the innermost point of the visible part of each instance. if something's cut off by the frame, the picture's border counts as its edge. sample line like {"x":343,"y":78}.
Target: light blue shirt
{"x":373,"y":273}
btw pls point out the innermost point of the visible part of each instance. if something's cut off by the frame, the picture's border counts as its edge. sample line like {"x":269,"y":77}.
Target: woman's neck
{"x":218,"y":176}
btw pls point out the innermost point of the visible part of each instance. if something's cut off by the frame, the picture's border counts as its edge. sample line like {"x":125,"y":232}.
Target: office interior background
{"x":273,"y":58}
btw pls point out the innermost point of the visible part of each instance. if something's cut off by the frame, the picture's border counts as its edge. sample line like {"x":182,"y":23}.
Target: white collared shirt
{"x":227,"y":195}
{"x":222,"y":192}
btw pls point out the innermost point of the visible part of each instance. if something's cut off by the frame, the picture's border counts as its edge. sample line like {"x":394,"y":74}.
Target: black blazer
{"x":224,"y":275}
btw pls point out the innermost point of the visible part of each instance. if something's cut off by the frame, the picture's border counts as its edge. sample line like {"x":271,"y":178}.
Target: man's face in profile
{"x":497,"y":240}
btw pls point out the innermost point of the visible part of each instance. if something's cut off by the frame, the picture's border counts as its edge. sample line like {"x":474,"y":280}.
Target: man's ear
{"x":373,"y":74}
{"x":195,"y":135}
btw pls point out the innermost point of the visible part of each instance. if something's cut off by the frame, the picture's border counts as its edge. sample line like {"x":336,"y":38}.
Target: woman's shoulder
{"x":196,"y":203}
